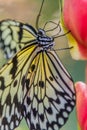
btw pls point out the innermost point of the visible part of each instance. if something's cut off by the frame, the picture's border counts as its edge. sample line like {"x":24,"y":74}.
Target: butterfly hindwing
{"x":51,"y":96}
{"x":14,"y":36}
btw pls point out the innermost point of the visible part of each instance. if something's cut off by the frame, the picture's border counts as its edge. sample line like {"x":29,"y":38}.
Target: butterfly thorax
{"x":44,"y":41}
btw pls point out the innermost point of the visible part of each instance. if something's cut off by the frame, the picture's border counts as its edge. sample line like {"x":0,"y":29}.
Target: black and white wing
{"x":14,"y":36}
{"x":51,"y":96}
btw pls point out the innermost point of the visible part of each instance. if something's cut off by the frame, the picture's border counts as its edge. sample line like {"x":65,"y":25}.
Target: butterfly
{"x":33,"y":83}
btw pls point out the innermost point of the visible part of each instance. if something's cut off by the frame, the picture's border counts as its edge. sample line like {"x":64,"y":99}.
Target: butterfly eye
{"x":41,"y":32}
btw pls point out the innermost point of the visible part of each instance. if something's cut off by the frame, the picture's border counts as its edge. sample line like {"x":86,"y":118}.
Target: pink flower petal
{"x":75,"y":19}
{"x":81,"y":104}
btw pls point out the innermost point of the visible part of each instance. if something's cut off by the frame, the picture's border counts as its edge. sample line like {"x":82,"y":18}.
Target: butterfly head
{"x":44,"y":41}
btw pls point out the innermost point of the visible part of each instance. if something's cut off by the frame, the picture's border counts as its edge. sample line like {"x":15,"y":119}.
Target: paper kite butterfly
{"x":33,"y":84}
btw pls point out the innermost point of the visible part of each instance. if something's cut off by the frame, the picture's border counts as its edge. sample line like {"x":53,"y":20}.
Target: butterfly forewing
{"x":14,"y":36}
{"x":12,"y":89}
{"x":51,"y":97}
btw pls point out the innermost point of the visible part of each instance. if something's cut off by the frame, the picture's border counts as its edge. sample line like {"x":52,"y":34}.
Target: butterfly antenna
{"x":52,"y":29}
{"x":61,"y":35}
{"x":38,"y":16}
{"x":57,"y":24}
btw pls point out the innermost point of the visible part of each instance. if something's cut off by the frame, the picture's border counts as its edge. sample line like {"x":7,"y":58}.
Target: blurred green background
{"x":26,"y":11}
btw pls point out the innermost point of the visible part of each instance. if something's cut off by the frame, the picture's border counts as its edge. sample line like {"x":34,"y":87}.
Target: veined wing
{"x":34,"y":84}
{"x":14,"y":36}
{"x":14,"y":86}
{"x":51,"y":96}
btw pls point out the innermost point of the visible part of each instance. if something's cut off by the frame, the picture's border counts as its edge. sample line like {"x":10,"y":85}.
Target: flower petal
{"x":81,"y":104}
{"x":75,"y":19}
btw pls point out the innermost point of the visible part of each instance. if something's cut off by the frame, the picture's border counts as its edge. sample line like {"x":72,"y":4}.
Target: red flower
{"x":81,"y":104}
{"x":75,"y":19}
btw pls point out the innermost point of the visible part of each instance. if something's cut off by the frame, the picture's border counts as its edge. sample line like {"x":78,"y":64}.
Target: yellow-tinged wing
{"x":35,"y":85}
{"x":14,"y":36}
{"x":14,"y":86}
{"x":51,"y":96}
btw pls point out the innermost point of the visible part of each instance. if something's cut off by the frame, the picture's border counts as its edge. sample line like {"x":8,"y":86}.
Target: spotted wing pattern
{"x":14,"y":36}
{"x":12,"y":89}
{"x":36,"y":86}
{"x":51,"y":96}
{"x":33,"y":84}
